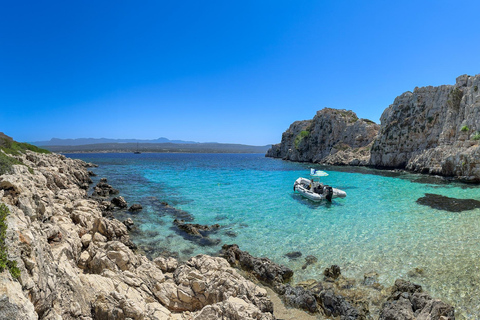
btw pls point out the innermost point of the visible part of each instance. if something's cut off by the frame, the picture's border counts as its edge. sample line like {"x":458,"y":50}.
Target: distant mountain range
{"x":86,"y":141}
{"x":157,"y":145}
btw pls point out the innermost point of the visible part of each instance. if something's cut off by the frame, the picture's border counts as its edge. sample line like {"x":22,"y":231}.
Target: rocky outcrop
{"x":77,"y":264}
{"x":332,"y":137}
{"x":433,"y":130}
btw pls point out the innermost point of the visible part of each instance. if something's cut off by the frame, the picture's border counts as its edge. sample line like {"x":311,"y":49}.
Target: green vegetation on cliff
{"x":302,"y":135}
{"x":4,"y":262}
{"x":11,"y":148}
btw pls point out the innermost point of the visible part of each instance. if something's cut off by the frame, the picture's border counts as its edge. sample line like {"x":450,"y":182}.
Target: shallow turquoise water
{"x":378,"y":227}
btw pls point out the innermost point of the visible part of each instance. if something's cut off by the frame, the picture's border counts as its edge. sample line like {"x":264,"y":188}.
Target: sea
{"x":379,"y":227}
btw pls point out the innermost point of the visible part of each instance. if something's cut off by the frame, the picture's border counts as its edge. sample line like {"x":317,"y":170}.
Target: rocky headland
{"x":76,"y":261}
{"x":433,"y":130}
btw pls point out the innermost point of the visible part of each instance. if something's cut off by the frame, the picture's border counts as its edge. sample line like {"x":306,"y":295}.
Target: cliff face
{"x":433,"y":130}
{"x":332,"y":137}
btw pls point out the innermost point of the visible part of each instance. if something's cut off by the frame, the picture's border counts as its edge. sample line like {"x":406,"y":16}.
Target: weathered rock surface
{"x":332,"y":137}
{"x":77,"y":264}
{"x":262,"y":269}
{"x":433,"y":130}
{"x":408,"y":301}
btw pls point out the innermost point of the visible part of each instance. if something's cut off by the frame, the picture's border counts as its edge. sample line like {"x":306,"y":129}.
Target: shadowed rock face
{"x":433,"y":130}
{"x":336,"y":137}
{"x":440,"y":202}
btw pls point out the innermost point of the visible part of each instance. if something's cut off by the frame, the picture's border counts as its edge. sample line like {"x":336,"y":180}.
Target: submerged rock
{"x":309,"y":260}
{"x":197,"y":232}
{"x":293,"y":255}
{"x":440,"y":202}
{"x":135,"y":208}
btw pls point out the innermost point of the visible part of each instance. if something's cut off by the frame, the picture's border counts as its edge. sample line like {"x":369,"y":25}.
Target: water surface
{"x":378,"y":227}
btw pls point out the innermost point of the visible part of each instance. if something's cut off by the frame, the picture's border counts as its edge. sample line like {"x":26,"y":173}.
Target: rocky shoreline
{"x":77,"y":261}
{"x":432,"y":130}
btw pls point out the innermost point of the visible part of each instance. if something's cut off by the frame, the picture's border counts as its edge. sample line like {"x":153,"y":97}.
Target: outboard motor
{"x":328,"y":192}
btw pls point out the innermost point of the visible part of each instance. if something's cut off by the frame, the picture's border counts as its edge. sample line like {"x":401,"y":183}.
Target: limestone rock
{"x":205,"y":280}
{"x":262,"y":268}
{"x":332,"y":137}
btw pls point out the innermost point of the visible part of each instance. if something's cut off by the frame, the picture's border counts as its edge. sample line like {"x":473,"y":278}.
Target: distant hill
{"x":160,"y":147}
{"x":87,"y":141}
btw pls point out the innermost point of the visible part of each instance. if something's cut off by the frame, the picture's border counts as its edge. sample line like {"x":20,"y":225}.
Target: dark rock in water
{"x":440,"y":202}
{"x":293,"y":255}
{"x":103,"y":189}
{"x":195,"y":229}
{"x":309,"y":260}
{"x":333,"y":272}
{"x":165,"y":209}
{"x":197,"y":232}
{"x":135,"y":207}
{"x":91,"y":174}
{"x":408,"y":301}
{"x":263,"y":269}
{"x":231,"y":234}
{"x":119,"y":202}
{"x":417,"y":272}
{"x":300,"y":298}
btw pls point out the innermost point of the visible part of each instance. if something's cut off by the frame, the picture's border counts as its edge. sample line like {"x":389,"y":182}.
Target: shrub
{"x":4,"y":262}
{"x":476,"y":136}
{"x":302,"y":135}
{"x":455,"y":98}
{"x":14,"y":147}
{"x":475,"y":88}
{"x":465,"y":129}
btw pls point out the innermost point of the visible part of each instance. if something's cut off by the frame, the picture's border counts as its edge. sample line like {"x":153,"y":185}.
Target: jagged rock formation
{"x":332,"y":137}
{"x":340,"y":297}
{"x":433,"y":130}
{"x":77,"y":264}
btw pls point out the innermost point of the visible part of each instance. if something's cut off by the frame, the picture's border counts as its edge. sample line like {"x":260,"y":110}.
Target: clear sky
{"x":223,"y":71}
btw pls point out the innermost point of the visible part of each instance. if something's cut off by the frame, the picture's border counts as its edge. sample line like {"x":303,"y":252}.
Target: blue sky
{"x":223,"y":71}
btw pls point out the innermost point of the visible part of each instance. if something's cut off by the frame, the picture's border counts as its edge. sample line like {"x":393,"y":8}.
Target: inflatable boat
{"x":316,"y":191}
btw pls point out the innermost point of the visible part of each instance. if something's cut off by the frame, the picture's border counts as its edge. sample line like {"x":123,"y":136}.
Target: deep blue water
{"x":378,"y":227}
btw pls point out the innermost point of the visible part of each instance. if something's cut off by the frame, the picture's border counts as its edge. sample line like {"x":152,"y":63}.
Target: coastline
{"x":96,"y":250}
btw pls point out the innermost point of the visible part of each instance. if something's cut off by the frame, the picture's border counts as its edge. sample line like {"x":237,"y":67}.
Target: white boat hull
{"x":306,"y":189}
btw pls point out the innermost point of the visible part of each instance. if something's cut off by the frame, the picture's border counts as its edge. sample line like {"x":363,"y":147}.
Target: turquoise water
{"x":378,"y":227}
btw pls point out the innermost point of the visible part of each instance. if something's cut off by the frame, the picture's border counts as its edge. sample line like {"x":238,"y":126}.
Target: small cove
{"x":379,"y":226}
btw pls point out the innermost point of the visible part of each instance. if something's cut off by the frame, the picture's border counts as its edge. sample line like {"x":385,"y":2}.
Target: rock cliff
{"x":433,"y":130}
{"x":332,"y":137}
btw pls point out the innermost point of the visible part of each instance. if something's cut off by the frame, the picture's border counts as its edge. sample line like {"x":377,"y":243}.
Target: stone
{"x":134,"y":208}
{"x":261,"y":268}
{"x":293,"y":255}
{"x":166,"y":264}
{"x":300,"y":298}
{"x":333,"y":272}
{"x":336,"y":137}
{"x":119,"y":202}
